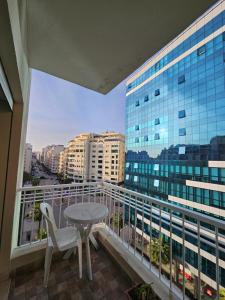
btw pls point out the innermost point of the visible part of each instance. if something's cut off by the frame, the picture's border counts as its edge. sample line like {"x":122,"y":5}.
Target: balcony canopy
{"x":97,"y":44}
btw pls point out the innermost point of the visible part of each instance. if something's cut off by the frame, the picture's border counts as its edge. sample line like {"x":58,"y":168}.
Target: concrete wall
{"x":15,"y":66}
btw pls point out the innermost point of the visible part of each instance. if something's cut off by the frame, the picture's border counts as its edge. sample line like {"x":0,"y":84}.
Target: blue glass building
{"x":175,"y":123}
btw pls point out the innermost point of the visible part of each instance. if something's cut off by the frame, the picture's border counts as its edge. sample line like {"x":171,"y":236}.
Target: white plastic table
{"x":84,"y":215}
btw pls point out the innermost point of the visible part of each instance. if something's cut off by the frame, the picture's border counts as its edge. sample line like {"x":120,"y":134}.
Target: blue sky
{"x":59,"y":110}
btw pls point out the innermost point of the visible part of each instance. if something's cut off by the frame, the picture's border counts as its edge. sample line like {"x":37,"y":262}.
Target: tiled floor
{"x":109,"y":281}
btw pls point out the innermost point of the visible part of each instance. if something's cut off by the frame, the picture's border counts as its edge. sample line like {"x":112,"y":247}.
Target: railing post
{"x":142,"y":235}
{"x":160,"y":241}
{"x":135,"y":226}
{"x":183,"y":255}
{"x":23,"y":195}
{"x":217,"y":264}
{"x":199,"y":261}
{"x":171,"y":250}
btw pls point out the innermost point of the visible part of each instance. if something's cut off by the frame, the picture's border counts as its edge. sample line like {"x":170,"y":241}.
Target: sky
{"x":59,"y":110}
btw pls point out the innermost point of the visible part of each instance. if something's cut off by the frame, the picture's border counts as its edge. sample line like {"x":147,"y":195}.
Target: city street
{"x":45,"y":176}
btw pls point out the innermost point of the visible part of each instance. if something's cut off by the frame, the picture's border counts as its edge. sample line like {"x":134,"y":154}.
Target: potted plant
{"x":142,"y":291}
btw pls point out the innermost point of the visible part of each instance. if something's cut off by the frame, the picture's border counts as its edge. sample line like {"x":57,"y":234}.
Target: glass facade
{"x":181,"y":126}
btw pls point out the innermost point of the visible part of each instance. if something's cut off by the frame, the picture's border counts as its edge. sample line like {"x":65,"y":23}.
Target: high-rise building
{"x":175,"y":125}
{"x":28,"y":158}
{"x":51,"y":156}
{"x":91,"y":157}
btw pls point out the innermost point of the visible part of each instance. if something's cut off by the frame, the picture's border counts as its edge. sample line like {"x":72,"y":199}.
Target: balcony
{"x":151,"y":240}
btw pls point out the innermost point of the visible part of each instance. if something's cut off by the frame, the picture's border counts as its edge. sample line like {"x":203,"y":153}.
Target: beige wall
{"x":16,"y":70}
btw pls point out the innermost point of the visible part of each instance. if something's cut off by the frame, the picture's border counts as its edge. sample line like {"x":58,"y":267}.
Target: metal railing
{"x":183,"y":248}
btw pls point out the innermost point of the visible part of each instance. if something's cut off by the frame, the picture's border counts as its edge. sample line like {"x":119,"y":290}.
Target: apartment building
{"x":175,"y":127}
{"x":28,"y":158}
{"x":51,"y":157}
{"x":114,"y":157}
{"x":63,"y":162}
{"x":91,"y":157}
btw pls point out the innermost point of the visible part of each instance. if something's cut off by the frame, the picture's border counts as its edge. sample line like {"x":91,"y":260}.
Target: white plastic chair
{"x":61,"y":239}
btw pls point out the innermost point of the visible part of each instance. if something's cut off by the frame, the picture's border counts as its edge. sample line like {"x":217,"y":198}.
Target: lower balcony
{"x":181,"y":252}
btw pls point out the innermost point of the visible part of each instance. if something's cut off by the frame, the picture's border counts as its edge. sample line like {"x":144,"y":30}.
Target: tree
{"x":156,"y":244}
{"x":35,"y":181}
{"x":26,"y":177}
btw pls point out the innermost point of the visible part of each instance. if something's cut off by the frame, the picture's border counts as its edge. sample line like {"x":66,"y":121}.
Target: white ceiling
{"x":98,"y":43}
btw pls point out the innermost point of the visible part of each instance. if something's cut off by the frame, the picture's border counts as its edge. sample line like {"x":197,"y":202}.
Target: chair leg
{"x":48,"y":259}
{"x":68,"y":253}
{"x":80,"y":258}
{"x":88,"y":258}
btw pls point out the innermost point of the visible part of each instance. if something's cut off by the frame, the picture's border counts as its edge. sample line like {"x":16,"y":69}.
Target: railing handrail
{"x":53,"y":186}
{"x":173,"y":207}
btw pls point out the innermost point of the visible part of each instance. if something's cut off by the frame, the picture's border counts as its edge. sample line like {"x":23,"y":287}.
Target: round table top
{"x":86,"y":213}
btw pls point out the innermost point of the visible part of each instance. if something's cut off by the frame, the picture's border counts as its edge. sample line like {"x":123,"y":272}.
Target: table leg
{"x":93,"y":240}
{"x":88,"y":258}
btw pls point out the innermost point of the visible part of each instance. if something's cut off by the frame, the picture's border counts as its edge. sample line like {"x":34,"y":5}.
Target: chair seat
{"x":66,"y":238}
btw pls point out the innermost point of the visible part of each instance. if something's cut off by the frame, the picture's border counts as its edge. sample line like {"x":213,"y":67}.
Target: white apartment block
{"x":91,"y":157}
{"x":114,"y":156}
{"x":51,"y":157}
{"x":63,"y":162}
{"x":27,"y":158}
{"x":78,"y":158}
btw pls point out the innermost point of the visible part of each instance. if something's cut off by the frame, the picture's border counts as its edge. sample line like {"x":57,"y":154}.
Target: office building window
{"x":182,"y":131}
{"x":157,"y":66}
{"x":181,"y":79}
{"x":181,"y":114}
{"x":127,"y":176}
{"x":201,"y":50}
{"x":136,"y":140}
{"x":157,"y":121}
{"x":156,"y":183}
{"x":157,"y":92}
{"x":157,"y":137}
{"x":224,"y":36}
{"x":145,"y":138}
{"x":135,"y":165}
{"x":156,"y":167}
{"x":181,"y":150}
{"x":137,"y":103}
{"x":135,"y":178}
{"x":136,"y":127}
{"x":146,"y":98}
{"x":129,"y":86}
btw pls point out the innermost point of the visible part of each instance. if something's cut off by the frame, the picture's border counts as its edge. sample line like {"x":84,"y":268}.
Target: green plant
{"x":117,"y":220}
{"x":157,"y":245}
{"x":37,"y":212}
{"x":42,"y":234}
{"x":222,"y":294}
{"x":143,"y":292}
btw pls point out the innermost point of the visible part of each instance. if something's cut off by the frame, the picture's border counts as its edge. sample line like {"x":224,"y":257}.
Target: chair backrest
{"x":47,"y":212}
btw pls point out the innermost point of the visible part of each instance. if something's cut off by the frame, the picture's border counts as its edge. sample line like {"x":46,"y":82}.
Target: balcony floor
{"x":109,"y":281}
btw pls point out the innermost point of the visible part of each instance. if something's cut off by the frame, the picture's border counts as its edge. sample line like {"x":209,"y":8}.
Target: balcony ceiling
{"x":99,"y":43}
